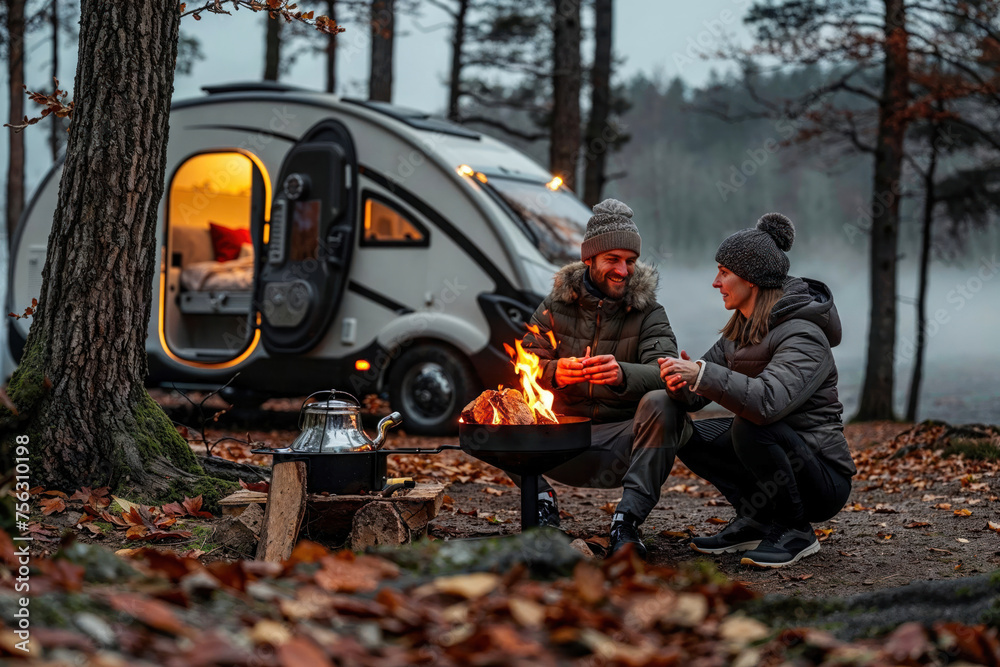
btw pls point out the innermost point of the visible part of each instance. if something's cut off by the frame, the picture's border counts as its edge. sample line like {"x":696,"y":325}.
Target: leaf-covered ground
{"x":920,"y":509}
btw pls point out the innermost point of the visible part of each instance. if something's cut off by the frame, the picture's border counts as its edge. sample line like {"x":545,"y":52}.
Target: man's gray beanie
{"x":757,"y":254}
{"x":610,"y":228}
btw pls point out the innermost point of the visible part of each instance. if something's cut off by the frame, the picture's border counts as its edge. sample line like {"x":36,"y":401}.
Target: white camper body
{"x":308,"y":242}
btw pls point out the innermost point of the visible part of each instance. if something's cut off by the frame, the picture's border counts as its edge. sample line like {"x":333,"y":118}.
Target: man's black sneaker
{"x":548,"y":509}
{"x":740,"y":534}
{"x":783,"y":546}
{"x":625,"y":530}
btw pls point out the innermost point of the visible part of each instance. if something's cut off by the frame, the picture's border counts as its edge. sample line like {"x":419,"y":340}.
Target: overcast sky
{"x":656,"y":37}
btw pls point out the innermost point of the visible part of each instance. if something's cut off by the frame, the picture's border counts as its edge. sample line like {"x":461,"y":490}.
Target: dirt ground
{"x":918,"y":516}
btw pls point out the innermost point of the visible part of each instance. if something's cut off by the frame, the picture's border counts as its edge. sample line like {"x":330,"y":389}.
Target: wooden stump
{"x":376,"y":524}
{"x":286,"y":507}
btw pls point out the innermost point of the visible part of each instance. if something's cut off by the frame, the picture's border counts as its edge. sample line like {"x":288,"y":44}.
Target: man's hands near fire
{"x":602,"y":369}
{"x":678,"y":373}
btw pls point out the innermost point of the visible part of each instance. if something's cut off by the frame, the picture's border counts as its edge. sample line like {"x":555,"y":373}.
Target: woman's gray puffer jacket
{"x":789,"y":376}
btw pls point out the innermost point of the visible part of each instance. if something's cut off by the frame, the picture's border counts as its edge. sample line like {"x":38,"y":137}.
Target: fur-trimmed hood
{"x":641,"y":293}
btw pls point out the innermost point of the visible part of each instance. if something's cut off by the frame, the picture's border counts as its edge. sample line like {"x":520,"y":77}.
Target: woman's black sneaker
{"x":625,"y":530}
{"x":783,"y":546}
{"x":740,"y":534}
{"x":548,"y":509}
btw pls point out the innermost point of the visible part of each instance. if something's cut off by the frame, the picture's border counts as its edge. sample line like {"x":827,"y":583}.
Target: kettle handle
{"x":332,"y":393}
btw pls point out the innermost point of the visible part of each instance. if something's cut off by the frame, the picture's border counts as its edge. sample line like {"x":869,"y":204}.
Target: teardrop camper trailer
{"x":308,"y":242}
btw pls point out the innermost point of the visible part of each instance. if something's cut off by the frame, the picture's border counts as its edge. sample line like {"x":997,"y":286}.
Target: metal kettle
{"x":333,"y":426}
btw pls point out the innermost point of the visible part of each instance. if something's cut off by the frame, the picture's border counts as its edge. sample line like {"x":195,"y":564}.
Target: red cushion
{"x":226,"y":241}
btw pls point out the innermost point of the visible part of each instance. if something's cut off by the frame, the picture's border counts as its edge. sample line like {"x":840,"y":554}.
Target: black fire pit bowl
{"x":528,"y":451}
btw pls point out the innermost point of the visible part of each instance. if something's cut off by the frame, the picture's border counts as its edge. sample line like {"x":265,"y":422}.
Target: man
{"x":610,"y":331}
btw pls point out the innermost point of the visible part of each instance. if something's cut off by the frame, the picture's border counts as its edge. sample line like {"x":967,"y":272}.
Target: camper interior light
{"x":362,"y":365}
{"x":466,"y":170}
{"x":554,"y":183}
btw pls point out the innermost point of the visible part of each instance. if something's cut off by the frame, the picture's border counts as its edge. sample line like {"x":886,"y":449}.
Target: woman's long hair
{"x":751,"y":331}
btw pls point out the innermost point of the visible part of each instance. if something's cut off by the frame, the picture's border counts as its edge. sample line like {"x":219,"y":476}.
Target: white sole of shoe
{"x":742,"y":546}
{"x":808,"y":551}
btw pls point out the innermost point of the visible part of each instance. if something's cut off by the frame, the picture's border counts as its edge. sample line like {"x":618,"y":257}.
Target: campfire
{"x":529,"y":405}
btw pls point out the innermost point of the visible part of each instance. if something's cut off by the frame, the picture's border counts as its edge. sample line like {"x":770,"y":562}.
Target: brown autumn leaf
{"x":62,"y":573}
{"x":93,"y":528}
{"x":963,"y":512}
{"x":589,"y":581}
{"x":495,"y":492}
{"x":302,"y":652}
{"x":59,"y":494}
{"x":676,"y":534}
{"x":306,"y":551}
{"x":136,"y":532}
{"x":716,"y":520}
{"x":468,"y":586}
{"x":193,"y":506}
{"x":992,"y":525}
{"x":171,"y":509}
{"x":942,"y":506}
{"x":174,"y":567}
{"x":345,"y":572}
{"x":262,"y":487}
{"x":801,"y":577}
{"x":157,"y":615}
{"x":159,"y":535}
{"x":917,"y":524}
{"x":609,"y":507}
{"x":52,"y":505}
{"x":823,"y":534}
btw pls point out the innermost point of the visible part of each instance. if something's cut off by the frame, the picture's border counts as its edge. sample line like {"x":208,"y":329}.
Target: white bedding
{"x":233,"y":276}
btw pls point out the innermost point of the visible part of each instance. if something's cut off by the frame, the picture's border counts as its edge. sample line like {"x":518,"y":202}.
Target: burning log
{"x":506,"y":406}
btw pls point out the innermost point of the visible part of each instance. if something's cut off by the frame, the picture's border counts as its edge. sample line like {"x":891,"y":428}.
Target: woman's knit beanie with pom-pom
{"x":758,"y":254}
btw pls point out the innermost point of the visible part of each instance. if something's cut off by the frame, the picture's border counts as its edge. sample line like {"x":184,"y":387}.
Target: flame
{"x":496,"y":415}
{"x":526,"y":365}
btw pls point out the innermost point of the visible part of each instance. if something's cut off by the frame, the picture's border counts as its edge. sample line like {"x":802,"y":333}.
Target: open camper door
{"x":311,"y":238}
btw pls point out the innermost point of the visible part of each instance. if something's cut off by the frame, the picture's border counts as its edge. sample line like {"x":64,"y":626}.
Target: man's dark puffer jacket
{"x":634,"y":329}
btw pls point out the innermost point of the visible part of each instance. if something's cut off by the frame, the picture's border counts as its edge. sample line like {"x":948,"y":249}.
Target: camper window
{"x":556,"y":219}
{"x":385,"y":225}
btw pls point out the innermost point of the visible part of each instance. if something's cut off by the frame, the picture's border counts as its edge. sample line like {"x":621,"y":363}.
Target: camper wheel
{"x":430,"y":384}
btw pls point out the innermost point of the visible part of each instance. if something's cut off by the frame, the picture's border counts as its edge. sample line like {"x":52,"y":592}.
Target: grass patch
{"x":979,"y":449}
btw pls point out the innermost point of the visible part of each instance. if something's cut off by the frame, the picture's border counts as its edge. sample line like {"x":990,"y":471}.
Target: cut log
{"x":377,"y":524}
{"x":286,"y":507}
{"x":507,"y":405}
{"x":239,"y":534}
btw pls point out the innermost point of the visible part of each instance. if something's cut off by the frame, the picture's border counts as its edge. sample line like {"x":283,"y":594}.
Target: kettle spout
{"x":394,"y":419}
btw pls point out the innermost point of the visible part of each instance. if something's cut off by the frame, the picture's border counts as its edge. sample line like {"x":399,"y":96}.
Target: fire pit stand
{"x":528,"y":451}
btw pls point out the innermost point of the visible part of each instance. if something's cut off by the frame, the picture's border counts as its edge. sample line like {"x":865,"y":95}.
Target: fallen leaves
{"x":917,"y":524}
{"x":963,"y":512}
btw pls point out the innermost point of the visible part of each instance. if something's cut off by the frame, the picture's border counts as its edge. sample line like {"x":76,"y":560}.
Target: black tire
{"x":430,"y":384}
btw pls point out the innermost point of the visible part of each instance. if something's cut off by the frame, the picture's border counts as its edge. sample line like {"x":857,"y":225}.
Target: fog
{"x":962,"y":358}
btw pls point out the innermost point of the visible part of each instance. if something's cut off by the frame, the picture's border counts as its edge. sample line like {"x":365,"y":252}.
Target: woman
{"x":783,"y":461}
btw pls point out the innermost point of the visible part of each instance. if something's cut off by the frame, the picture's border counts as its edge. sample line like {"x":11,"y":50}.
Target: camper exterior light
{"x":554,"y":183}
{"x":362,"y":365}
{"x":466,"y":170}
{"x":481,"y":176}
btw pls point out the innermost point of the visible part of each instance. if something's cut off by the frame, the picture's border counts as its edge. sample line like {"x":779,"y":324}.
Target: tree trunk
{"x":564,"y":149}
{"x":383,"y":23}
{"x":877,"y":391}
{"x":272,"y":52}
{"x":331,"y":49}
{"x":457,"y":44}
{"x":55,"y":128}
{"x":597,"y":146}
{"x":79,"y":388}
{"x":926,"y":236}
{"x":15,"y":80}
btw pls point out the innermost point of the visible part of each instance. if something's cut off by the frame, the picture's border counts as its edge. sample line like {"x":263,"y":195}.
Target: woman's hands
{"x":678,"y":373}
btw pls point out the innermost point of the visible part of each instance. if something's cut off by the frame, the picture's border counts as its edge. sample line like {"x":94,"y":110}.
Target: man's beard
{"x":614,"y":290}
